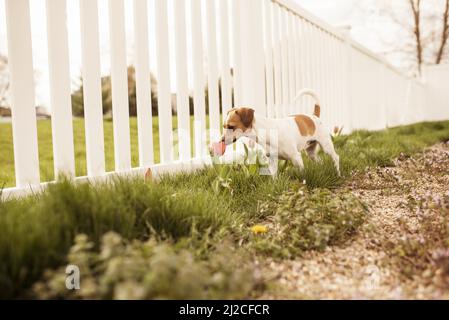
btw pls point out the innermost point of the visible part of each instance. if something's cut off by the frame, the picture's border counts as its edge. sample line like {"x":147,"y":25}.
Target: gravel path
{"x":364,"y":268}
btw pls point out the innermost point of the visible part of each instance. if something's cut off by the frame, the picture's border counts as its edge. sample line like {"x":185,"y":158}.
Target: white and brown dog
{"x":294,"y":133}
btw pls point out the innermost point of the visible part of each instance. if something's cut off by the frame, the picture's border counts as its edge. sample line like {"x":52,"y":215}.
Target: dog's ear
{"x":247,"y":116}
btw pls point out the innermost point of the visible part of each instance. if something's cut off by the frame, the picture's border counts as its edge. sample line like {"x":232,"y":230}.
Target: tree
{"x":444,"y":34}
{"x":106,"y":93}
{"x":422,"y":34}
{"x":415,"y":6}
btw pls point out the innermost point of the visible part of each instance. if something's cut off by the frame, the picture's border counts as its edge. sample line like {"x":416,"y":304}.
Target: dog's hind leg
{"x":328,"y":147}
{"x":312,"y":151}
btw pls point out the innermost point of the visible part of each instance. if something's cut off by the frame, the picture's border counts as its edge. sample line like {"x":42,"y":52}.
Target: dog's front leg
{"x":297,"y":161}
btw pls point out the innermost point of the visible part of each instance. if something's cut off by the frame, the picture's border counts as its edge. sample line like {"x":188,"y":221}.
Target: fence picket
{"x":324,"y":75}
{"x":321,"y":73}
{"x":60,"y":93}
{"x":182,"y":94}
{"x":93,"y":113}
{"x":119,"y":81}
{"x":224,"y":50}
{"x":308,"y":58}
{"x":252,"y":63}
{"x":277,"y":62}
{"x":212,"y":71}
{"x":198,"y":80}
{"x":236,"y":53}
{"x":26,"y":157}
{"x":313,"y":66}
{"x":163,"y":77}
{"x":269,"y":71}
{"x":340,"y":86}
{"x":299,"y":55}
{"x":291,"y":64}
{"x":237,"y":59}
{"x":348,"y":83}
{"x":284,"y":62}
{"x":336,"y":44}
{"x":143,"y":84}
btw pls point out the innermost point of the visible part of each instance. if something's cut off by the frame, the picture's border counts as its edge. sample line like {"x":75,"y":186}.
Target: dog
{"x":295,"y":133}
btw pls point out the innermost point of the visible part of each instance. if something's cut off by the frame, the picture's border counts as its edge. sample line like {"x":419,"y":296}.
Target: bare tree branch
{"x":444,"y":34}
{"x":416,"y":9}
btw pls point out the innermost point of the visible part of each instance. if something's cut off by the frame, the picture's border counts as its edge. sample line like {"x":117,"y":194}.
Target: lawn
{"x":190,"y":235}
{"x":7,"y":178}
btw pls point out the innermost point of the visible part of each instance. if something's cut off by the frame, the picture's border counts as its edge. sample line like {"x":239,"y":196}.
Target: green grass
{"x":7,"y":178}
{"x":36,"y":232}
{"x":194,"y":212}
{"x":359,"y":150}
{"x":364,"y":149}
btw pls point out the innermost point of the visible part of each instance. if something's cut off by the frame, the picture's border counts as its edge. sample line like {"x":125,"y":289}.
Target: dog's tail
{"x":310,"y":92}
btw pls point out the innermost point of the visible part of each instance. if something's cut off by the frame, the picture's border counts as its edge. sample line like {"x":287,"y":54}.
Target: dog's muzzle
{"x":223,"y":139}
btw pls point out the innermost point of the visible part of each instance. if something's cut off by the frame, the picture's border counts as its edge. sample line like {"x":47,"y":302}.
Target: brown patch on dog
{"x":306,"y":125}
{"x":239,"y":118}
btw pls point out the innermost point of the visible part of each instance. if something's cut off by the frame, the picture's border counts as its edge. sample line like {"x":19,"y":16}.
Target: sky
{"x":367,"y":27}
{"x":335,"y":12}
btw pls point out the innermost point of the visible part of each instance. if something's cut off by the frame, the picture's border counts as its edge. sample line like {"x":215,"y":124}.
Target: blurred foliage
{"x":148,"y":270}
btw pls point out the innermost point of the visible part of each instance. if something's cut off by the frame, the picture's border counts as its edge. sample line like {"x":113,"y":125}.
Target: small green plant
{"x":251,"y":165}
{"x":304,"y":220}
{"x":223,"y":181}
{"x":148,"y":270}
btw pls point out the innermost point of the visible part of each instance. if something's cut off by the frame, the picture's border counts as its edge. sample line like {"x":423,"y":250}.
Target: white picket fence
{"x":264,"y":51}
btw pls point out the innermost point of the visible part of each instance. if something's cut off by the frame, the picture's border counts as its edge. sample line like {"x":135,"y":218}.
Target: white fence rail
{"x":252,"y":52}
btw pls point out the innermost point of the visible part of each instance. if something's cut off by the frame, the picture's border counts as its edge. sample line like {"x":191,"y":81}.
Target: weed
{"x":303,"y":220}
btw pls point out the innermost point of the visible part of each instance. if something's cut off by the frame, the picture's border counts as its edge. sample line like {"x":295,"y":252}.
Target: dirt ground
{"x":367,"y":267}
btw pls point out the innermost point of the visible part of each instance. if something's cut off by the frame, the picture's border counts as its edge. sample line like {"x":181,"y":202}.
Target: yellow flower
{"x":258,"y":229}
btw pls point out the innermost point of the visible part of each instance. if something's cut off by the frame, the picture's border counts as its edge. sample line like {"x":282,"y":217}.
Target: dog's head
{"x":238,"y":123}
